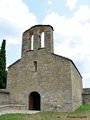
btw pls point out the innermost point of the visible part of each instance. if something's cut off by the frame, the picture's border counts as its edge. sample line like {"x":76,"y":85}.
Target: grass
{"x":82,"y":109}
{"x":83,"y":113}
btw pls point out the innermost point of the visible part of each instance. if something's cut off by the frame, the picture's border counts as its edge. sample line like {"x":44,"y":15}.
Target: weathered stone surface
{"x":76,"y":88}
{"x":4,"y":97}
{"x":86,"y":96}
{"x":12,"y":107}
{"x":55,"y":78}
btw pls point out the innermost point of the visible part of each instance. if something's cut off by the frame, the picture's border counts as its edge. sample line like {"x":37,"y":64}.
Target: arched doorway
{"x":34,"y":101}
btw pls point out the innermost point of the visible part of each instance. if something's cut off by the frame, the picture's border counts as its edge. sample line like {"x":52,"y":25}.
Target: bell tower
{"x":31,"y":39}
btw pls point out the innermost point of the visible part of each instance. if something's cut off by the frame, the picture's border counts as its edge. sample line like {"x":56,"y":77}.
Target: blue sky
{"x":69,"y":18}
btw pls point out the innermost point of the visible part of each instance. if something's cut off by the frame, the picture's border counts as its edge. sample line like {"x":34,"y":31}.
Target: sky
{"x":69,"y":18}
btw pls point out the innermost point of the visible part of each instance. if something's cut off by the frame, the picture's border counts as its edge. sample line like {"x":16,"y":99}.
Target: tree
{"x":3,"y":72}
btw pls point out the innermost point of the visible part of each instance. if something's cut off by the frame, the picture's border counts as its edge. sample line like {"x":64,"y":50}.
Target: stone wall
{"x":5,"y":103}
{"x":4,"y":97}
{"x":86,"y":96}
{"x":51,"y":80}
{"x":54,"y":77}
{"x":12,"y":107}
{"x":76,"y":87}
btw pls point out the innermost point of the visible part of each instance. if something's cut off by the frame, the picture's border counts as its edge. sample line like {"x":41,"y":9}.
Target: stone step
{"x":18,"y":111}
{"x":12,"y":107}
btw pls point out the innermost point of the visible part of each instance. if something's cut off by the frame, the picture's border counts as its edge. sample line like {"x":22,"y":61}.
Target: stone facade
{"x":4,"y":97}
{"x":76,"y":87}
{"x":86,"y":96}
{"x":42,"y":80}
{"x":5,"y":101}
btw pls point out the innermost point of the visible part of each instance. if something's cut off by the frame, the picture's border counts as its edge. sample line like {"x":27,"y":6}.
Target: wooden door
{"x":31,"y":102}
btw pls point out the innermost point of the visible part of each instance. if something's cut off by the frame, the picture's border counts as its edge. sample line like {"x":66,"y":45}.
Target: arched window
{"x":32,"y":41}
{"x":42,"y":40}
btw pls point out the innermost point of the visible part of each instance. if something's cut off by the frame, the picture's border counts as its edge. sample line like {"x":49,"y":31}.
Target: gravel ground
{"x":18,"y":111}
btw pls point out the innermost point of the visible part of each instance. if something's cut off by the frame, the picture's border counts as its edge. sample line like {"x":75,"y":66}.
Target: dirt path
{"x":18,"y":111}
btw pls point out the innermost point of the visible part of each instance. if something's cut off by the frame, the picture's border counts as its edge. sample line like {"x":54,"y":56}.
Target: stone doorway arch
{"x":34,"y":101}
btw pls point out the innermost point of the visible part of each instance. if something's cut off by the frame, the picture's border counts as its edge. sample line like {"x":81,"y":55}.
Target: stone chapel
{"x":42,"y":80}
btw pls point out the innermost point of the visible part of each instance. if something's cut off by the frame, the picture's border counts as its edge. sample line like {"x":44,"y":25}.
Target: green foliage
{"x":84,"y":115}
{"x":83,"y":108}
{"x":3,"y":72}
{"x":49,"y":116}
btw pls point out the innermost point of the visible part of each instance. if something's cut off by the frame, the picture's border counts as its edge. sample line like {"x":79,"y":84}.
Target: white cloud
{"x":17,"y":14}
{"x":83,"y":14}
{"x":15,"y":18}
{"x":11,"y":40}
{"x":72,"y":36}
{"x":49,"y":2}
{"x":86,"y":80}
{"x":50,"y":10}
{"x":71,"y":4}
